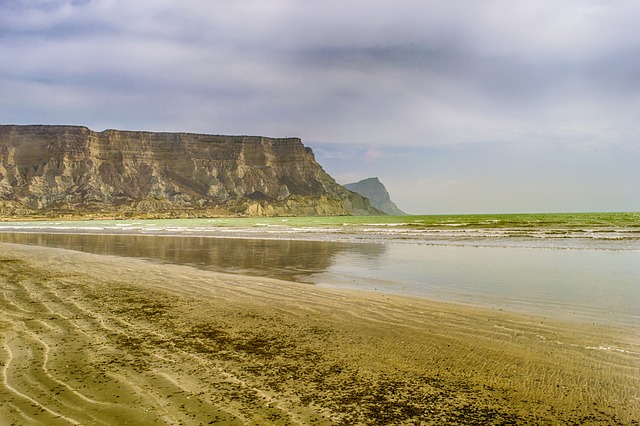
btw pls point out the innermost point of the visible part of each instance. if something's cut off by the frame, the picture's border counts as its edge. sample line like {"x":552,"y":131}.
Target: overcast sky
{"x":457,"y":106}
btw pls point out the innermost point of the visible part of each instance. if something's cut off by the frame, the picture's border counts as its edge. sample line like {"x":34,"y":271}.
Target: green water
{"x":530,"y":220}
{"x":607,"y":231}
{"x":525,"y":220}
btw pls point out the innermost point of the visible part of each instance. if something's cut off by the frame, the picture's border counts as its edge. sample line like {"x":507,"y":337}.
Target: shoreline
{"x":351,"y":229}
{"x":456,"y":274}
{"x":93,"y":338}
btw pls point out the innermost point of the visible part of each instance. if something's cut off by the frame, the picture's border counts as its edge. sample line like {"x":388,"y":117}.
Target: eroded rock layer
{"x":74,"y":171}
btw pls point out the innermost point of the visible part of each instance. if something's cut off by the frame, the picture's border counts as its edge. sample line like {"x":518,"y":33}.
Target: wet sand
{"x":92,"y":339}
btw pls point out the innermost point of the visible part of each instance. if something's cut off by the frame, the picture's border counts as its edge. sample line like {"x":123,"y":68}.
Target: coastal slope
{"x":73,"y":171}
{"x":377,"y":194}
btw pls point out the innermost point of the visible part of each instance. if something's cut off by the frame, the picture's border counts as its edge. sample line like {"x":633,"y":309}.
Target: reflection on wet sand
{"x":575,"y":285}
{"x":288,"y":260}
{"x":90,"y":339}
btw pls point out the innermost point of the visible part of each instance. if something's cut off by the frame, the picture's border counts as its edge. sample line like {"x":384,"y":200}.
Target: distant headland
{"x":377,"y":194}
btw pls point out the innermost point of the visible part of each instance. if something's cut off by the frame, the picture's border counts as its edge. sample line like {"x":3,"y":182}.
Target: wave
{"x":581,"y":232}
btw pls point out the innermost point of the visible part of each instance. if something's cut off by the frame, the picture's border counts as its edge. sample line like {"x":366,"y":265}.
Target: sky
{"x":463,"y":106}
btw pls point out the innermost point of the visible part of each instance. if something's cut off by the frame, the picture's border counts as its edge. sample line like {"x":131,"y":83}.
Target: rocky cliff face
{"x":73,"y":171}
{"x":377,"y":194}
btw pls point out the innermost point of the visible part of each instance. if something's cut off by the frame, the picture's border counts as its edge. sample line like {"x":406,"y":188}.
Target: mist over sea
{"x":580,"y":267}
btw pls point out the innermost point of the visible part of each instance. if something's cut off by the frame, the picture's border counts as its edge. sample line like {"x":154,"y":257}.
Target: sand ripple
{"x":88,"y":339}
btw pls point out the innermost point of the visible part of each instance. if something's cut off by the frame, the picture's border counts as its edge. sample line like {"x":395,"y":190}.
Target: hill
{"x":72,"y":171}
{"x":377,"y":194}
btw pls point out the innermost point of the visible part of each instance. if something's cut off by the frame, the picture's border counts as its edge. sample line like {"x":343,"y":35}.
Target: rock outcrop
{"x":377,"y":194}
{"x":53,"y":171}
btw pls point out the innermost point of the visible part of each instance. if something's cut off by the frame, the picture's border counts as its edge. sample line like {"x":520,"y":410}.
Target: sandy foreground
{"x":90,"y":339}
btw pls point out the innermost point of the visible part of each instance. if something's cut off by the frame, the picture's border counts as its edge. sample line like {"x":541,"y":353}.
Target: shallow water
{"x":596,"y":285}
{"x":582,"y":231}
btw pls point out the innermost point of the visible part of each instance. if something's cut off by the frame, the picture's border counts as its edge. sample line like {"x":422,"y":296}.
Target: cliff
{"x":53,"y":171}
{"x":377,"y":194}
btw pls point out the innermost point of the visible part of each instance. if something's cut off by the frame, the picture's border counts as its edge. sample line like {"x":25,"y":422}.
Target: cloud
{"x":365,"y":72}
{"x":457,"y":106}
{"x":373,"y":154}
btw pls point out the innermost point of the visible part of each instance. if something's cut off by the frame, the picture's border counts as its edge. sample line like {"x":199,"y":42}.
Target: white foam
{"x":612,"y":349}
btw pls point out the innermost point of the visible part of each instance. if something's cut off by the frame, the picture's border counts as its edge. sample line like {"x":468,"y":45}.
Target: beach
{"x":97,"y":339}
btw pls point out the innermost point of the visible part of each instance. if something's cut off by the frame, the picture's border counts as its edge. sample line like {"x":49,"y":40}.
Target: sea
{"x":581,"y":267}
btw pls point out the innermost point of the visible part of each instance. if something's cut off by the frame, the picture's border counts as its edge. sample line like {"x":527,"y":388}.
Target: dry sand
{"x":90,"y":339}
